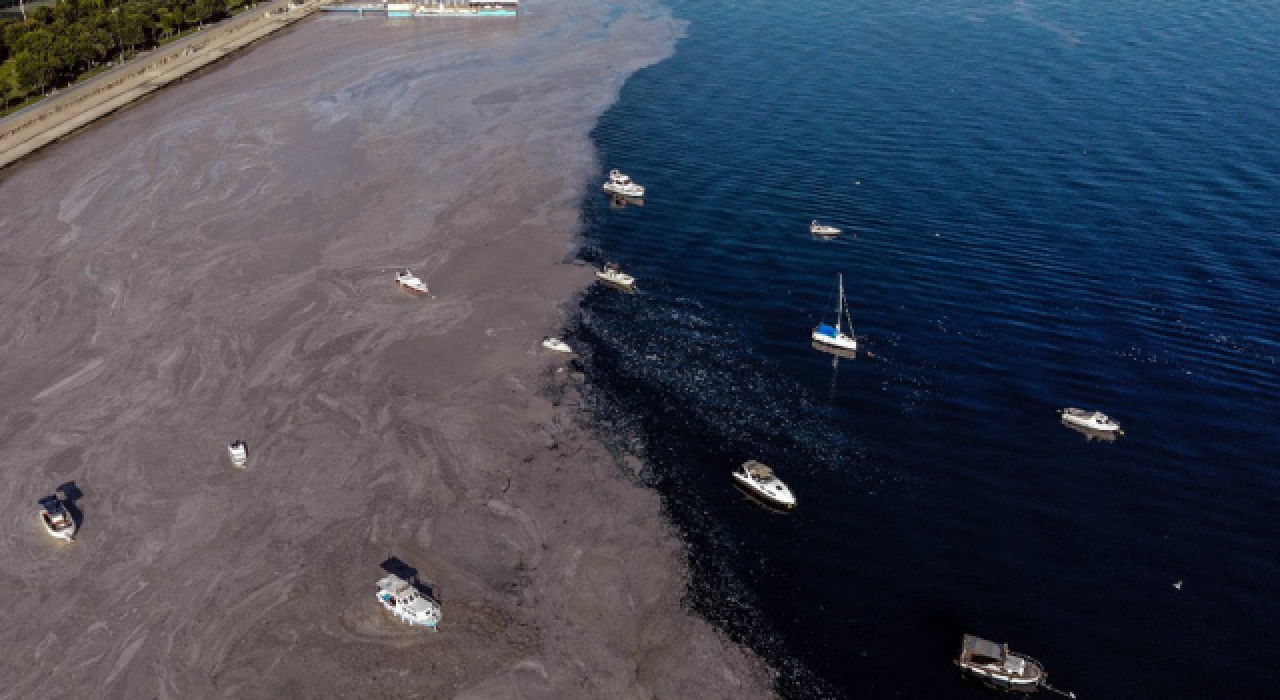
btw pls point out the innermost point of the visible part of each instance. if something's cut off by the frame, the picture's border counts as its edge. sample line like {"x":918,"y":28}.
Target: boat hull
{"x":415,"y":291}
{"x":628,"y":283}
{"x":65,"y":534}
{"x":635,"y":191}
{"x":1086,"y":421}
{"x":995,"y":678}
{"x":750,"y":487}
{"x":840,"y":342}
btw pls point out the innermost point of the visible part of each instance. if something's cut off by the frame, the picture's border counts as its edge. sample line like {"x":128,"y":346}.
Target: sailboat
{"x":835,"y":336}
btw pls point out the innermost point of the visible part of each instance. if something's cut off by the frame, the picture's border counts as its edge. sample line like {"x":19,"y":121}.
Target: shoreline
{"x":57,"y":117}
{"x":216,"y":264}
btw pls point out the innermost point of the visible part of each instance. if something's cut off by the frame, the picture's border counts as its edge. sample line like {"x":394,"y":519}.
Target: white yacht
{"x":621,"y":184}
{"x":818,"y":229}
{"x":1091,"y":420}
{"x":410,"y":283}
{"x":761,"y":481}
{"x":613,"y":274}
{"x":556,"y":344}
{"x":56,"y":518}
{"x":407,"y":603}
{"x":239,"y":453}
{"x":994,"y":664}
{"x":835,"y":336}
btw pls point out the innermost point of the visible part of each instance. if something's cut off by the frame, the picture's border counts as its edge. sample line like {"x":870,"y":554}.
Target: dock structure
{"x":59,"y":116}
{"x":449,"y":8}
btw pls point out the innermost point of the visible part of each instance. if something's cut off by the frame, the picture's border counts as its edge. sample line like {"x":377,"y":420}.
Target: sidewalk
{"x":56,"y":117}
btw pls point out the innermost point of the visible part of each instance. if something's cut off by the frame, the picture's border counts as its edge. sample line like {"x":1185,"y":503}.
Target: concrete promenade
{"x":61,"y":115}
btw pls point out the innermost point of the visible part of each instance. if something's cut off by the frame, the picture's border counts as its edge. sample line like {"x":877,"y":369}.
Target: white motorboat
{"x":762,"y":482}
{"x":556,"y":344}
{"x":239,"y":453}
{"x":818,"y":229}
{"x":835,"y":336}
{"x":56,"y":518}
{"x":993,"y":663}
{"x":613,"y":274}
{"x":404,"y":601}
{"x":621,"y":184}
{"x":410,"y":283}
{"x":1090,"y":420}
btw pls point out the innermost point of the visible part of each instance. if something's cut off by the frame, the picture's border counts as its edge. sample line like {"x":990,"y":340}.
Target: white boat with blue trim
{"x":835,"y":336}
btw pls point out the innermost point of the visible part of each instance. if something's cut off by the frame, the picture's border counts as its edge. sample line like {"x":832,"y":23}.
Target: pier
{"x":454,"y":8}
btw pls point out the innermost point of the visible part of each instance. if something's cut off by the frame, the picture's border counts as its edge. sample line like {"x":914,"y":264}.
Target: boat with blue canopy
{"x":835,"y":336}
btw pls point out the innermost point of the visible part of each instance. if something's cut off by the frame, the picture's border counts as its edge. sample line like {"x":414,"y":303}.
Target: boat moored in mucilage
{"x":408,"y":604}
{"x":613,"y":274}
{"x":1090,"y":420}
{"x":994,"y":664}
{"x":556,"y":344}
{"x":761,"y":482}
{"x":56,"y":518}
{"x":239,"y":454}
{"x":620,"y":184}
{"x":822,"y":230}
{"x":410,"y":283}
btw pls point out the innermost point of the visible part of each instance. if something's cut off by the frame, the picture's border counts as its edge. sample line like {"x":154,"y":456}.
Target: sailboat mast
{"x":840,"y":305}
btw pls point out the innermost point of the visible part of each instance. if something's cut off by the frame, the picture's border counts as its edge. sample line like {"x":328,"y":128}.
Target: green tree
{"x":34,"y":71}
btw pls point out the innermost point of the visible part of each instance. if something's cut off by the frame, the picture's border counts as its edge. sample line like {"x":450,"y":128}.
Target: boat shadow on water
{"x":397,"y":567}
{"x":71,"y":494}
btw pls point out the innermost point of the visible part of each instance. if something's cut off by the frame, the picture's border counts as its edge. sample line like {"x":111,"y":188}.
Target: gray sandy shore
{"x":216,"y":263}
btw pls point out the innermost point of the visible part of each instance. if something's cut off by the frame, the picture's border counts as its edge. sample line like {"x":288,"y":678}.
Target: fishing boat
{"x":404,"y":601}
{"x":835,"y":336}
{"x":410,"y":283}
{"x":556,"y":344}
{"x":994,"y":664}
{"x":613,"y":274}
{"x":763,"y":483}
{"x":239,"y":453}
{"x":621,"y":184}
{"x":822,"y":230}
{"x":1090,"y":420}
{"x":56,"y":518}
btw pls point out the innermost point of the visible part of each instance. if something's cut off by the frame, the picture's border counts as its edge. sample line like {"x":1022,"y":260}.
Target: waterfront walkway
{"x":60,"y":115}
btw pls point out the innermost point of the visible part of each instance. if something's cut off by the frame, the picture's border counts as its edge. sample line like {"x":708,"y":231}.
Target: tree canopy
{"x":58,"y":43}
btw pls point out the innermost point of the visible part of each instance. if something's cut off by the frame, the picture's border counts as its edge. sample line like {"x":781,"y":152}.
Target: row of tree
{"x":58,"y":43}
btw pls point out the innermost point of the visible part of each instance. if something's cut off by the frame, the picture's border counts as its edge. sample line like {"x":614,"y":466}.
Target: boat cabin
{"x":994,"y":662}
{"x":758,"y":471}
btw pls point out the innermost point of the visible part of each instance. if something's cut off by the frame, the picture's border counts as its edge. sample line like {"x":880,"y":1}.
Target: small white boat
{"x":613,"y":274}
{"x":239,"y":453}
{"x":993,"y":663}
{"x":1091,"y":420}
{"x":761,"y":481}
{"x":621,"y":184}
{"x":818,"y":229}
{"x":410,"y":283}
{"x":407,"y":603}
{"x":835,"y":336}
{"x":556,"y":344}
{"x":56,"y":518}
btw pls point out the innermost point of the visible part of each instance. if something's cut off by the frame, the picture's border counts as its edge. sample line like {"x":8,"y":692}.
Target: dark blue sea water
{"x":1064,"y":203}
